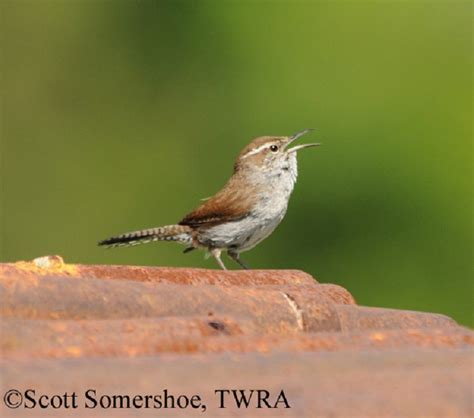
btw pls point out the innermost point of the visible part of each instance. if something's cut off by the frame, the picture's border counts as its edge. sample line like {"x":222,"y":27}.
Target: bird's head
{"x":271,"y":153}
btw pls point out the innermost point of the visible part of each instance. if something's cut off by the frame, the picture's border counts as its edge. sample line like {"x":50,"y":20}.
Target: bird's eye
{"x":274,"y":148}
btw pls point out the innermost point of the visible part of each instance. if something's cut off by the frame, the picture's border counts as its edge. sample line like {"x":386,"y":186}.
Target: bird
{"x":244,"y":212}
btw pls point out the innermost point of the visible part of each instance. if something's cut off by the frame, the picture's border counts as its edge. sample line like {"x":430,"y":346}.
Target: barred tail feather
{"x":178,"y":233}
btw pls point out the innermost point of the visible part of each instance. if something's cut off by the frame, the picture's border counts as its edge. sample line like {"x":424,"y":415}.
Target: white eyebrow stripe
{"x":256,"y":150}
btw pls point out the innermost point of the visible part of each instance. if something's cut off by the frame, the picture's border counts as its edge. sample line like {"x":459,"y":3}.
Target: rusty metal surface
{"x":279,"y":309}
{"x":380,"y":318}
{"x":338,"y":317}
{"x":66,"y":298}
{"x":392,"y":383}
{"x":143,"y":329}
{"x":54,"y":266}
{"x":144,"y":336}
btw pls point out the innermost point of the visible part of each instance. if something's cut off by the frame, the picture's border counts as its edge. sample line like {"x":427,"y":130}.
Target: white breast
{"x":267,"y":213}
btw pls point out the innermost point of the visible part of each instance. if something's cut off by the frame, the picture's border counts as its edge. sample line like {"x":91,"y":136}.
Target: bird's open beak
{"x":294,"y":137}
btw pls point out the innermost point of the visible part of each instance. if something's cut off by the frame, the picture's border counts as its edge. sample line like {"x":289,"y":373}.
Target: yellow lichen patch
{"x":47,"y":265}
{"x":73,"y":351}
{"x":378,"y":336}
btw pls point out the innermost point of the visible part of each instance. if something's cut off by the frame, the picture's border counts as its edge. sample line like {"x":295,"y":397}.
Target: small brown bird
{"x":241,"y":215}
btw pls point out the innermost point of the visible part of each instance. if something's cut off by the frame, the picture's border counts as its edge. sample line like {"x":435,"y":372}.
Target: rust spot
{"x":218,"y":326}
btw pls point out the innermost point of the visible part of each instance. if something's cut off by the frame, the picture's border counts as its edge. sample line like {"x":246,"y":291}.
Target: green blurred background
{"x":120,"y":115}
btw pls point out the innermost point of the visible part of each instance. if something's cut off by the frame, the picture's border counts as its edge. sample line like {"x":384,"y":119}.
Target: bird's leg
{"x":236,"y":257}
{"x":216,"y":253}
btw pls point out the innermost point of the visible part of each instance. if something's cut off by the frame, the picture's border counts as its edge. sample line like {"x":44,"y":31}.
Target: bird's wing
{"x":228,"y":205}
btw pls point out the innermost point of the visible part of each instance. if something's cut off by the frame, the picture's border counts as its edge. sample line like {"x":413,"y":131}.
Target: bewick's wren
{"x":244,"y":212}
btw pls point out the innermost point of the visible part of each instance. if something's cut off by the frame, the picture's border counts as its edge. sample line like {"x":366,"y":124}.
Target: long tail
{"x":179,"y":233}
